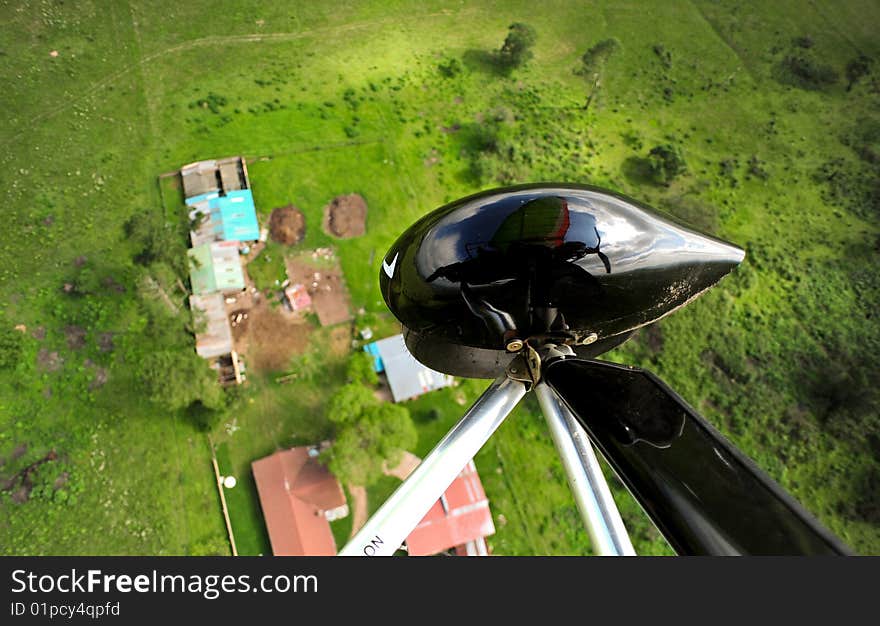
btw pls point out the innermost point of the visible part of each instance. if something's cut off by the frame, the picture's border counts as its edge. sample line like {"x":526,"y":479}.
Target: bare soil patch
{"x":76,"y":337}
{"x":340,"y":340}
{"x":326,"y":286}
{"x":346,"y":216}
{"x":269,"y":338}
{"x":100,"y":379}
{"x":49,"y":361}
{"x":287,"y":225}
{"x":105,"y":342}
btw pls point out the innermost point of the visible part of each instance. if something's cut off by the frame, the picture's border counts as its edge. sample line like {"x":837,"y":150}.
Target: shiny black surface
{"x":704,"y":495}
{"x":539,"y":262}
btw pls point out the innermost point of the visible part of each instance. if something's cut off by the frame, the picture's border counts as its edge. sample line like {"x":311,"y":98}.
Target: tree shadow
{"x":692,"y":212}
{"x":637,"y":171}
{"x":486,"y":61}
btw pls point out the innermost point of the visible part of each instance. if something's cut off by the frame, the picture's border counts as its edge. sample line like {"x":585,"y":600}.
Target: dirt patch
{"x":49,"y":361}
{"x":340,"y":340}
{"x":112,"y":283}
{"x":653,"y":337}
{"x":80,"y":261}
{"x":271,"y":338}
{"x":105,"y":342}
{"x":238,"y":320}
{"x":61,"y":480}
{"x":100,"y":379}
{"x":18,"y":452}
{"x":287,"y":225}
{"x":346,"y":216}
{"x":326,"y":286}
{"x":76,"y":337}
{"x":39,"y":333}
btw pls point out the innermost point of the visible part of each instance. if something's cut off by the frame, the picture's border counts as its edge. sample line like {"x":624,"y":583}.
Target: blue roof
{"x":237,"y":215}
{"x":202,"y":198}
{"x":373,"y":350}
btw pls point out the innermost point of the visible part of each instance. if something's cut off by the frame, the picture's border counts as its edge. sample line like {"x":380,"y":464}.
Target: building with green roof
{"x":215,"y":268}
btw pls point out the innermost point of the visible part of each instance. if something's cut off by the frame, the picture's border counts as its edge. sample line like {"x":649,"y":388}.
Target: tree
{"x":666,"y":163}
{"x":360,"y":370}
{"x":856,"y":69}
{"x":594,"y":58}
{"x":177,"y":379}
{"x":803,"y":71}
{"x":517,"y":47}
{"x":349,"y":403}
{"x":154,"y":242}
{"x":363,"y":447}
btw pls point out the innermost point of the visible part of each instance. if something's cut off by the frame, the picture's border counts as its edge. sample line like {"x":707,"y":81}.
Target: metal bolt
{"x":514,"y":345}
{"x":591,"y":338}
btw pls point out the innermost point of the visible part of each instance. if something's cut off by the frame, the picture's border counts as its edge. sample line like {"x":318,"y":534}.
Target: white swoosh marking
{"x":389,"y":269}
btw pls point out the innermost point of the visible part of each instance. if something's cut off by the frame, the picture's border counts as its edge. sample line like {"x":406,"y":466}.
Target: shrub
{"x":805,"y":72}
{"x":666,"y":163}
{"x":450,"y":68}
{"x":517,"y":47}
{"x":10,"y":346}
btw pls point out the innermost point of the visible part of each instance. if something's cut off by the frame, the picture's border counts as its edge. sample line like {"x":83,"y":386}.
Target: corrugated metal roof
{"x":199,"y":178}
{"x":213,"y":175}
{"x":295,"y":494}
{"x":215,"y":267}
{"x":232,"y":217}
{"x":373,"y":351}
{"x":407,"y":377}
{"x":216,"y":338}
{"x":231,"y":176}
{"x":237,"y":215}
{"x":460,"y":515}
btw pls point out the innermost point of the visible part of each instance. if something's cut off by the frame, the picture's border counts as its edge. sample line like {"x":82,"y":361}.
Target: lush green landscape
{"x":770,"y":108}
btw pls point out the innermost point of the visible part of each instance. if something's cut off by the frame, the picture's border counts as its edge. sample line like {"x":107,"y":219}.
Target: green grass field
{"x":332,"y":98}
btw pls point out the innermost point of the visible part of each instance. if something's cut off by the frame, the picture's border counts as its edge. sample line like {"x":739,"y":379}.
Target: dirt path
{"x":216,"y":41}
{"x":406,"y":466}
{"x":358,"y":508}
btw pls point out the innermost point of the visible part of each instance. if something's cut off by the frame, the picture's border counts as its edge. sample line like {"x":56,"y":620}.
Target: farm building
{"x":299,"y":498}
{"x":216,"y":339}
{"x":214,"y":176}
{"x":460,"y":519}
{"x":221,"y":202}
{"x":215,"y":268}
{"x":229,"y":217}
{"x":407,"y":378}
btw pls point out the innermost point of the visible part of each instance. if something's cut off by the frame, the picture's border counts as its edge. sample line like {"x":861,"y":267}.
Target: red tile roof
{"x":459,"y":516}
{"x":295,"y":491}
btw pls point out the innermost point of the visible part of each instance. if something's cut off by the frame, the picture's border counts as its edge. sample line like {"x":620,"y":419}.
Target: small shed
{"x":216,"y":338}
{"x":298,"y":297}
{"x":215,"y":268}
{"x":407,"y":378}
{"x":460,"y":519}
